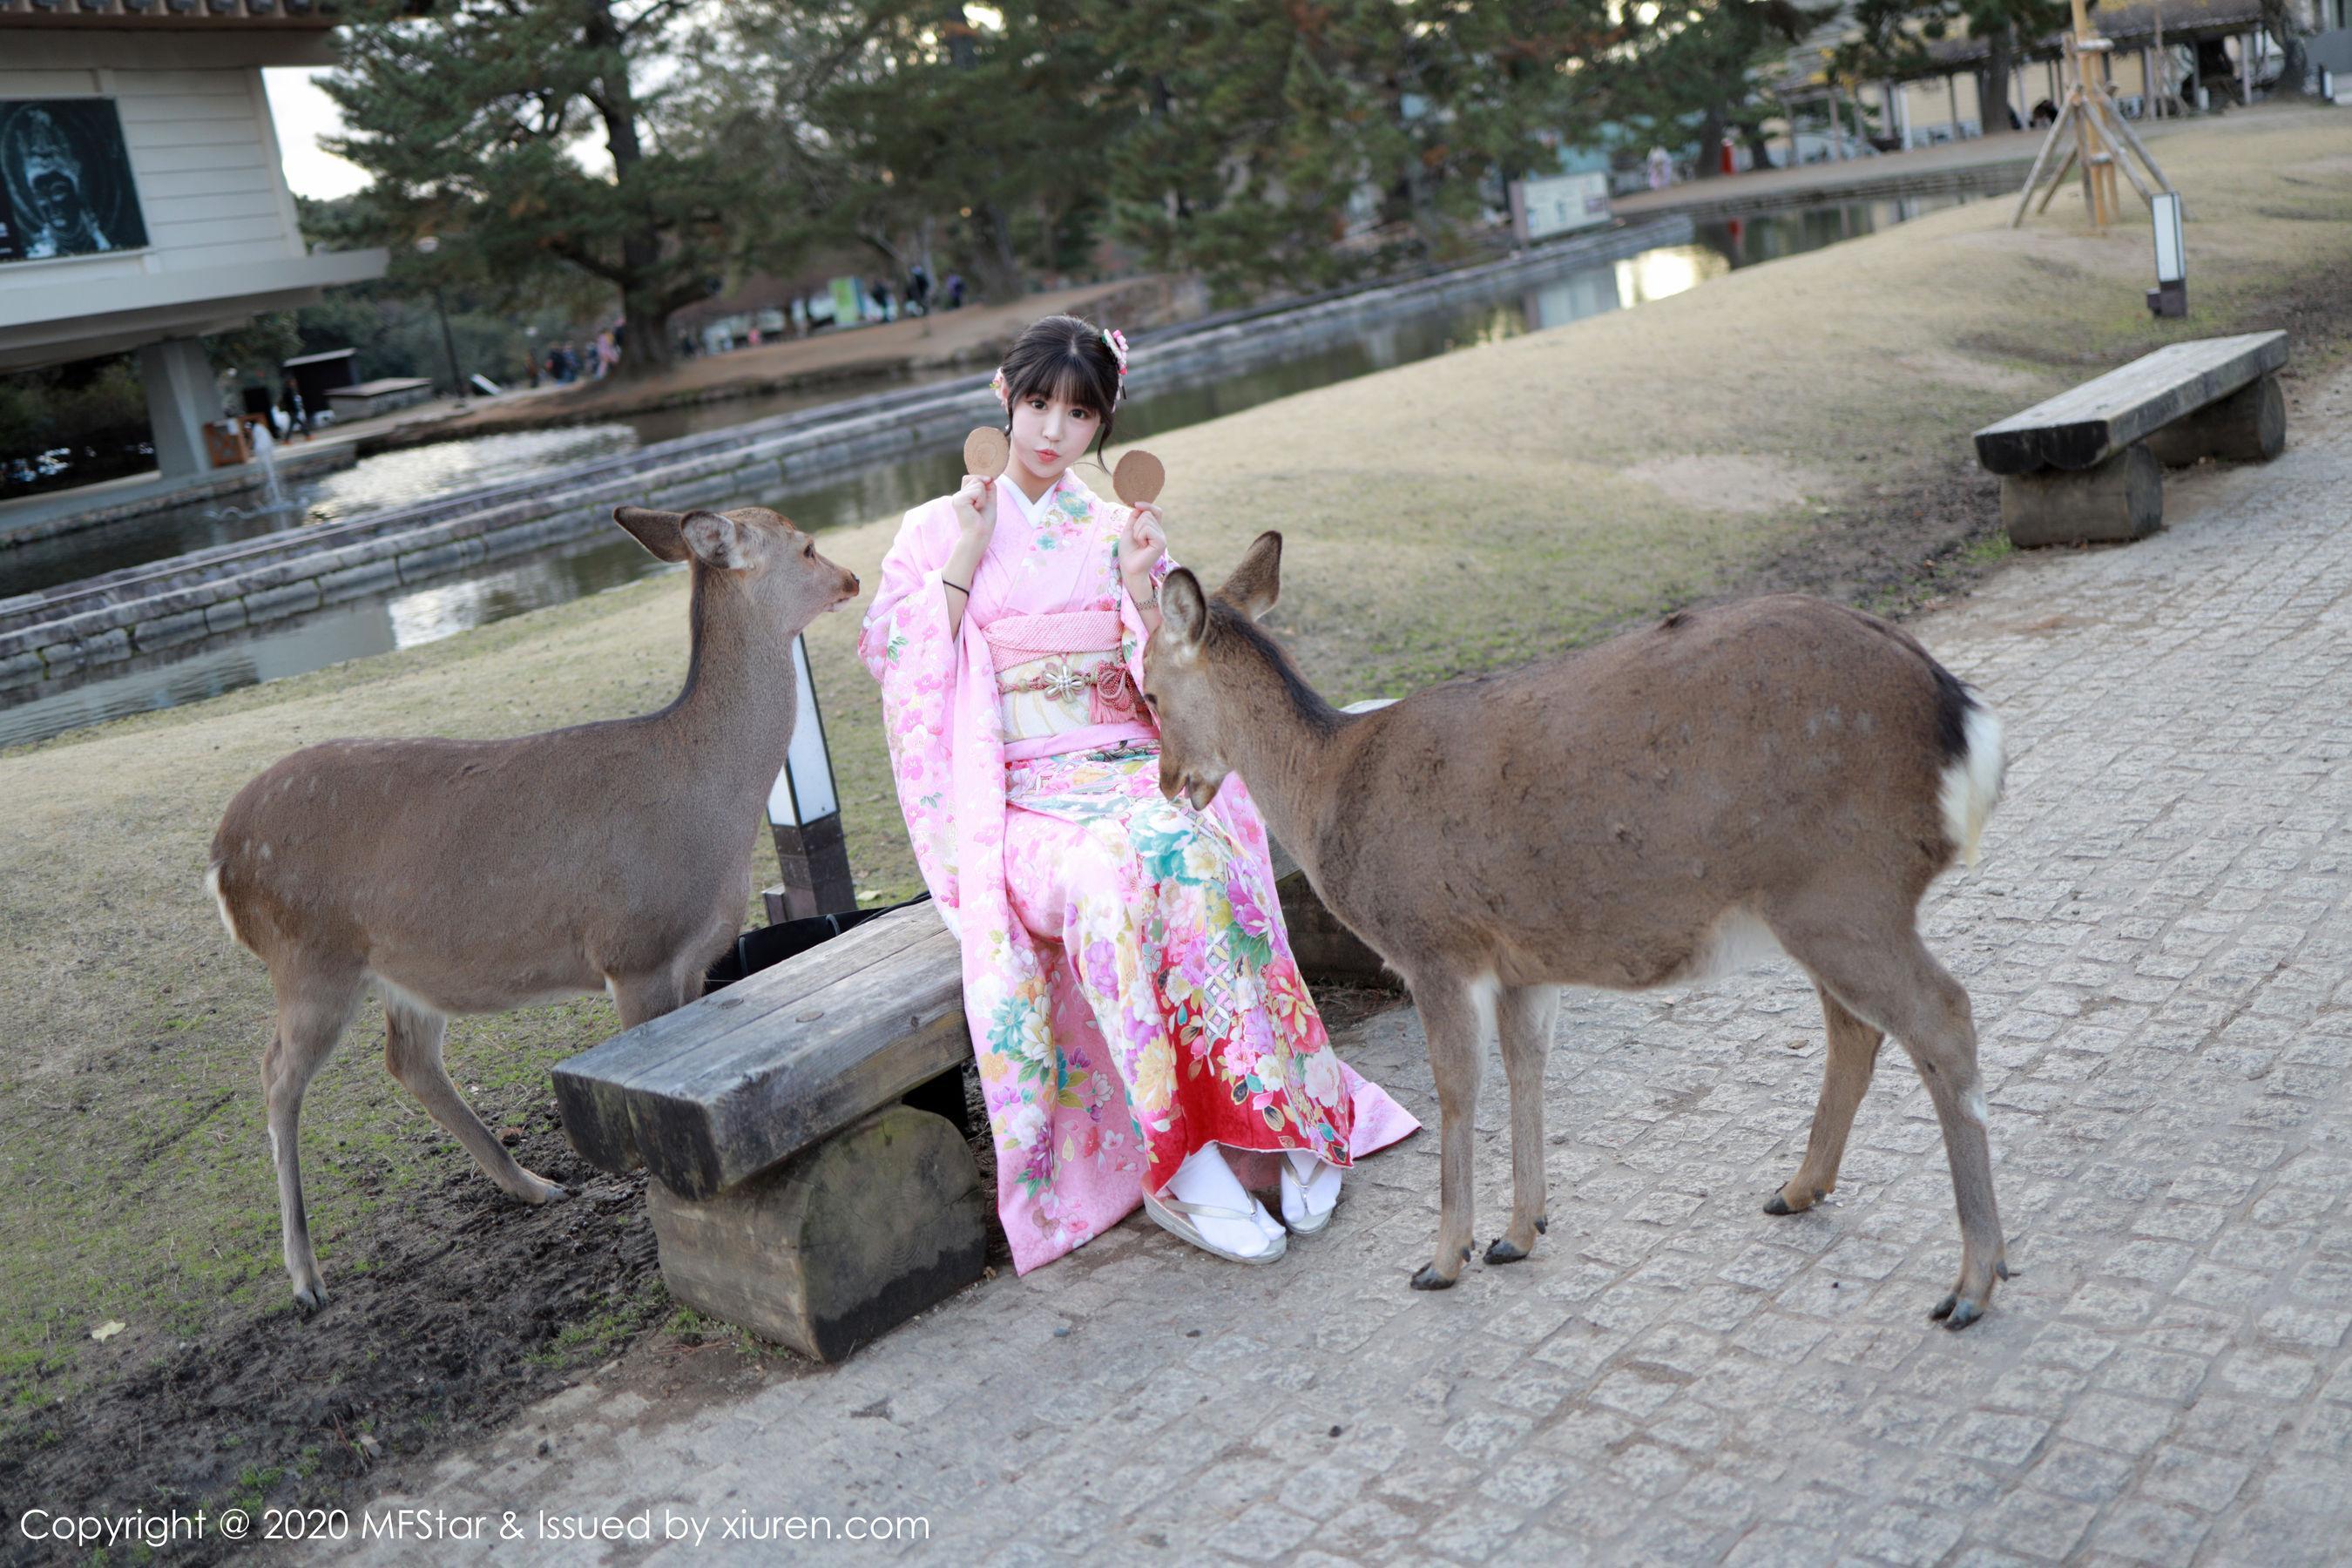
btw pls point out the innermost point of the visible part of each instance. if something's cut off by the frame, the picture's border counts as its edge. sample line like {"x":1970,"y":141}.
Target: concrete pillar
{"x":181,"y":398}
{"x":1952,"y":94}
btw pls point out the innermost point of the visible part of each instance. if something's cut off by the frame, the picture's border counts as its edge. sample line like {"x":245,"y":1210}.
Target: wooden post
{"x":2118,"y":502}
{"x":1952,"y":92}
{"x":840,"y":1243}
{"x":1837,"y":126}
{"x":2247,"y":426}
{"x":2163,"y":70}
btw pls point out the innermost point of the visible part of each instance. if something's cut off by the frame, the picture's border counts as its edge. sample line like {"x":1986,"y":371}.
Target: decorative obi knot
{"x":1060,"y":672}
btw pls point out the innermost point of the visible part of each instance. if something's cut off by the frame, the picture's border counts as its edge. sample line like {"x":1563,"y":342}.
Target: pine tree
{"x":1260,"y":133}
{"x":532,"y":137}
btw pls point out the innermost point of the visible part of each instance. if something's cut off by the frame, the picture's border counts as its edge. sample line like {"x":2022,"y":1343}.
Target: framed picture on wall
{"x":65,"y":180}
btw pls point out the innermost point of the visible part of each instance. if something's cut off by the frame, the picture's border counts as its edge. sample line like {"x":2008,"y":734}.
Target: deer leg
{"x":1524,"y":1016}
{"x":311,"y":1016}
{"x":1892,"y":982}
{"x":1454,"y":1014}
{"x":1852,"y":1056}
{"x":647,"y":996}
{"x":412,"y":1050}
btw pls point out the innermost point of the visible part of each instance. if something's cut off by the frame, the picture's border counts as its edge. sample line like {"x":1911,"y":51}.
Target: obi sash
{"x":1061,"y":684}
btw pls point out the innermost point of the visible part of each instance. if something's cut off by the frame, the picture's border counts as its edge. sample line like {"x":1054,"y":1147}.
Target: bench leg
{"x":838,"y":1244}
{"x":2120,"y":501}
{"x":2247,"y":426}
{"x":1327,"y":952}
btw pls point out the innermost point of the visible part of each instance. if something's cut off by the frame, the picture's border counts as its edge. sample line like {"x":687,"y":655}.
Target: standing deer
{"x":475,"y":876}
{"x":1652,"y":811}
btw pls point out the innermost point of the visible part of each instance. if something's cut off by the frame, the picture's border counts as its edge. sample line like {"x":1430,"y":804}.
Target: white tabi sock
{"x":1205,"y":1178}
{"x":1317,"y":1179}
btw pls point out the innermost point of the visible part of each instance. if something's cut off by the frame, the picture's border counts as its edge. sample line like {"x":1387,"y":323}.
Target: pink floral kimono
{"x":1129,"y":986}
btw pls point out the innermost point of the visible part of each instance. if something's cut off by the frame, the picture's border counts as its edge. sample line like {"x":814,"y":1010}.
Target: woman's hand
{"x":1141,"y":544}
{"x":975,"y":509}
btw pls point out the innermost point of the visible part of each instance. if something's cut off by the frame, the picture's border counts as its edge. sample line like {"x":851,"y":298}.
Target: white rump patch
{"x":220,"y":902}
{"x":1739,"y":940}
{"x":1971,"y":784}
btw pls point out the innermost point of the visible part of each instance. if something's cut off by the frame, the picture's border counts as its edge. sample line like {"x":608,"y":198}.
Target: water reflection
{"x":411,"y":616}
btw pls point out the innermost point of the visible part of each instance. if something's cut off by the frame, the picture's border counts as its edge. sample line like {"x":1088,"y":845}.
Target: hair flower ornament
{"x":1003,"y":388}
{"x":1115,"y":340}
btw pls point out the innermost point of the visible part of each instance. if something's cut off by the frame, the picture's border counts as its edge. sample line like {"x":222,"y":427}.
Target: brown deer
{"x":1783,"y":772}
{"x":477,"y":876}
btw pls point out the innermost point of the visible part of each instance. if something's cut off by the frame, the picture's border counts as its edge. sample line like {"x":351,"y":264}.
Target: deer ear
{"x":716,"y":541}
{"x":1184,"y":607}
{"x":657,"y":531}
{"x":1256,"y":582}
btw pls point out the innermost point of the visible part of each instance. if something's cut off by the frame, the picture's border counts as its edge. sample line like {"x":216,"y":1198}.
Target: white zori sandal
{"x":1174,"y":1216}
{"x":1308,"y":1197}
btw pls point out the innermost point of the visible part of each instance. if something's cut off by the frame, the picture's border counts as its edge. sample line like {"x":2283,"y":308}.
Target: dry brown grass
{"x":1448,"y":515}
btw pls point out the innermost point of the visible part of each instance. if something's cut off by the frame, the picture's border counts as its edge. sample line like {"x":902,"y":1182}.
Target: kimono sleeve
{"x":905,"y":644}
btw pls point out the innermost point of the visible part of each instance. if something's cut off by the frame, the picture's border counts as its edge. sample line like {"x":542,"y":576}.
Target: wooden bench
{"x":372,"y":397}
{"x":2087,"y":466}
{"x":805,"y":1132}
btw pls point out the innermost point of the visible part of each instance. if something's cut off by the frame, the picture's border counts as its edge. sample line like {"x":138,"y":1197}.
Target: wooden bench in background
{"x":804,"y":1127}
{"x":2087,"y":466}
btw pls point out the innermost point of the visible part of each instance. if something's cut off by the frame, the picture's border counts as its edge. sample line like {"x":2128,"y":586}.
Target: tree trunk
{"x":2279,"y":23}
{"x":1000,"y":264}
{"x":646,"y":349}
{"x":1709,"y":162}
{"x":1993,"y":83}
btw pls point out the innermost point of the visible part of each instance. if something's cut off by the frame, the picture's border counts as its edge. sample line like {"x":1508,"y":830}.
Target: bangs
{"x":1065,"y":378}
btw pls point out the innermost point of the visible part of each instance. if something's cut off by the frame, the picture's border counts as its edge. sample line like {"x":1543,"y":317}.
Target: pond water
{"x":405,"y":616}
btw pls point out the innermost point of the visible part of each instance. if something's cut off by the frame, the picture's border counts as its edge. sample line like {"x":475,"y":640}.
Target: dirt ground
{"x":1487,"y":507}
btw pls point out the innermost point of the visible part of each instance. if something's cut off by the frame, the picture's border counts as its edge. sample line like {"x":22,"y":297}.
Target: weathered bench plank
{"x":740,"y":1104}
{"x":596,"y":1089}
{"x":2085,"y":426}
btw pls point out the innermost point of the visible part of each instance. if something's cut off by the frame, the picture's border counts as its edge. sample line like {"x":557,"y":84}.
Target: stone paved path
{"x":2160,"y":945}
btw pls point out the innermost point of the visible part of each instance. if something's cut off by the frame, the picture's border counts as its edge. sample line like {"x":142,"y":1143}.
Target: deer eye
{"x":1151,"y":699}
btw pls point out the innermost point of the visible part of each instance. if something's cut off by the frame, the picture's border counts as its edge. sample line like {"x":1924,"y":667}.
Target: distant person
{"x":2045,"y":113}
{"x":955,"y":290}
{"x":919,"y":289}
{"x":297,"y":418}
{"x":881,"y":292}
{"x":1661,"y":168}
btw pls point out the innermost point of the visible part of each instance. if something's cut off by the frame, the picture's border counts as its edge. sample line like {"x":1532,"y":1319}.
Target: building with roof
{"x":142,"y":206}
{"x":2165,"y":52}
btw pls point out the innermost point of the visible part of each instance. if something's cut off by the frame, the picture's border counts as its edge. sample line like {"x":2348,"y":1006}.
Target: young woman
{"x":1133,"y":1002}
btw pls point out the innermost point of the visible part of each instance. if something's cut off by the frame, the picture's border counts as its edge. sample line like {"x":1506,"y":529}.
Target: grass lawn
{"x":1500,"y":502}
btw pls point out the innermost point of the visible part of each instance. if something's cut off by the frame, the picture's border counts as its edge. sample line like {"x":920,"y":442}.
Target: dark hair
{"x":1063,"y":357}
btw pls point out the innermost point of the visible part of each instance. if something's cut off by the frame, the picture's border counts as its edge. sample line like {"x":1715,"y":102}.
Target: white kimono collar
{"x":1029,"y":510}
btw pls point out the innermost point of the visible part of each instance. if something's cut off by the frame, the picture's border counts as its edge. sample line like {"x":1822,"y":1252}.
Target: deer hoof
{"x":540,"y":1190}
{"x":1956,"y":1313}
{"x":1427,"y":1277}
{"x":1777,"y":1205}
{"x":1505,"y":1252}
{"x":310,"y":1298}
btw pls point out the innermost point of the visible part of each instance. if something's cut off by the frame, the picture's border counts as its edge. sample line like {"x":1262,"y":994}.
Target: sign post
{"x":804,"y":814}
